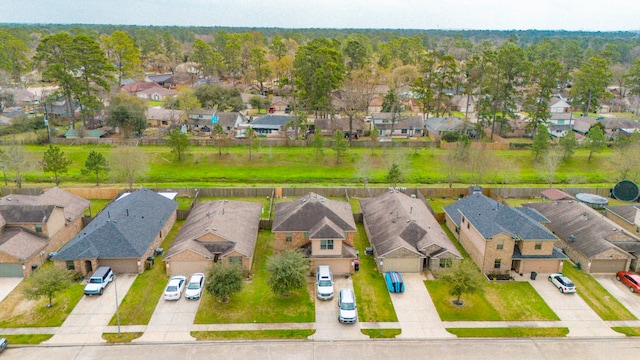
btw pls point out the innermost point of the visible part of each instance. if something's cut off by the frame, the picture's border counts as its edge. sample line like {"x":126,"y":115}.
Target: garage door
{"x":186,"y":268}
{"x":405,"y":265}
{"x":10,"y":270}
{"x":607,"y":266}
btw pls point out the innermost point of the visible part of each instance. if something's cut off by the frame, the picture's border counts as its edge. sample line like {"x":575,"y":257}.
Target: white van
{"x":324,"y":283}
{"x":98,"y":281}
{"x":347,"y":312}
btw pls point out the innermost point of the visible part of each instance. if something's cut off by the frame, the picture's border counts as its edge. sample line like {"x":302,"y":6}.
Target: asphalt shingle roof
{"x":73,"y":205}
{"x":305,"y":213}
{"x":124,"y":229}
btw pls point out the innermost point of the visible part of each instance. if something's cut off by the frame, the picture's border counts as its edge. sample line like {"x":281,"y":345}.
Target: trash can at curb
{"x":533,"y":275}
{"x":356,"y":265}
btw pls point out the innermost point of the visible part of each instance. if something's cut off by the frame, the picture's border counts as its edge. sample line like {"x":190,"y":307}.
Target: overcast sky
{"x":589,"y":15}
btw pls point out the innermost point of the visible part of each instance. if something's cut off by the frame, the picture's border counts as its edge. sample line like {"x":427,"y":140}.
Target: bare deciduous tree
{"x":128,"y":164}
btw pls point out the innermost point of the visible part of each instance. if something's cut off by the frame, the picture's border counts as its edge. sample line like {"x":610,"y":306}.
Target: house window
{"x":235,"y":260}
{"x":404,"y":131}
{"x":463,"y":219}
{"x":38,"y":228}
{"x":497,"y":263}
{"x":326,"y":244}
{"x":71,"y":265}
{"x":445,"y":263}
{"x":538,"y":245}
{"x":165,"y":122}
{"x":288,"y":237}
{"x":500,"y":245}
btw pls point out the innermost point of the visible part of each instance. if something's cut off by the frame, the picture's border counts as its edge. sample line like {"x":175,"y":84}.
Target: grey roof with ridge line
{"x":304,"y":213}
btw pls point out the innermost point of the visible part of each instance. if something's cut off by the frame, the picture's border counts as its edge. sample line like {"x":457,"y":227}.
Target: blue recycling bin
{"x":394,"y":281}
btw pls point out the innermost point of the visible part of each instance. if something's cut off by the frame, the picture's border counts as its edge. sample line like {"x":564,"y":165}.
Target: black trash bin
{"x":533,"y":275}
{"x":356,"y":265}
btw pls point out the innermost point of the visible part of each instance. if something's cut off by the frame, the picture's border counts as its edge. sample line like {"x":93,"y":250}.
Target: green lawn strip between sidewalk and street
{"x":252,"y":335}
{"x":496,"y":301}
{"x":142,"y":298}
{"x":256,"y":302}
{"x":26,"y":339}
{"x":374,"y":301}
{"x":509,"y":332}
{"x":595,"y":295}
{"x":629,"y":331}
{"x":124,"y":337}
{"x":381,"y":333}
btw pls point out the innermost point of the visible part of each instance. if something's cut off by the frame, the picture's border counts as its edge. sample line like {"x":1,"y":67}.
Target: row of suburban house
{"x":404,"y":234}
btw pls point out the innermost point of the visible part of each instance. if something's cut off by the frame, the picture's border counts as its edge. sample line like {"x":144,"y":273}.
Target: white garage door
{"x":607,"y":266}
{"x":403,"y":265}
{"x":186,"y":268}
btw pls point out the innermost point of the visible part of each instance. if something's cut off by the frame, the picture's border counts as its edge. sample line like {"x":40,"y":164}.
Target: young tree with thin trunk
{"x":461,"y":278}
{"x":394,"y":175}
{"x":549,"y":165}
{"x":56,"y":162}
{"x":541,"y":142}
{"x":47,"y":281}
{"x":18,"y":163}
{"x":179,"y":144}
{"x":220,"y":137}
{"x":595,"y":141}
{"x":251,"y":138}
{"x":374,"y":137}
{"x":97,"y":164}
{"x":568,"y":143}
{"x":318,"y":143}
{"x":339,"y":145}
{"x":129,"y":164}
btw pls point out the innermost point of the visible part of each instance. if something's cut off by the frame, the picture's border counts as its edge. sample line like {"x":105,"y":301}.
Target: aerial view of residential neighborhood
{"x":256,"y":187}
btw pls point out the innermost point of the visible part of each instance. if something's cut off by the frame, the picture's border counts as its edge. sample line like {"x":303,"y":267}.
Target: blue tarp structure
{"x":395,"y":284}
{"x":214,"y":119}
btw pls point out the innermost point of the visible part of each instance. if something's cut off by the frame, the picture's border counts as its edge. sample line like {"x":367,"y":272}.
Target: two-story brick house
{"x":500,"y":238}
{"x":323,"y":229}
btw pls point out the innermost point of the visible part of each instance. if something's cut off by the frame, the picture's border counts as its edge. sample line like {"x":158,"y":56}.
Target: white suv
{"x":324,"y":283}
{"x":99,"y":281}
{"x":563,"y":283}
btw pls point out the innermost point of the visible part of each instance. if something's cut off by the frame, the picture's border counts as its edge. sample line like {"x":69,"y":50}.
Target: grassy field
{"x":297,"y":165}
{"x":141,"y":299}
{"x":505,"y":301}
{"x":509,"y":332}
{"x":598,"y":298}
{"x":374,"y":302}
{"x":256,"y":303}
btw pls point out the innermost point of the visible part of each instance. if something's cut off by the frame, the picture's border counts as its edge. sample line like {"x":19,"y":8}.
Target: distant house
{"x":323,"y":229}
{"x":596,"y":243}
{"x":229,"y":121}
{"x":501,"y":238}
{"x":161,"y":118}
{"x":398,"y":125}
{"x":627,"y":216}
{"x":463,"y":103}
{"x":328,"y":126}
{"x":33,"y":226}
{"x":218,"y":231}
{"x":558,"y":105}
{"x":149,"y":90}
{"x":555,"y":194}
{"x":404,"y":235}
{"x":123,"y":235}
{"x":270,"y":124}
{"x":164,"y":80}
{"x":279,"y":105}
{"x":202,"y":116}
{"x":375,"y":105}
{"x":438,"y":126}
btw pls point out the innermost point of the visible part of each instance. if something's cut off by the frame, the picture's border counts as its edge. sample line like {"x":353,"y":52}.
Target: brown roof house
{"x":627,"y":216}
{"x":161,"y":118}
{"x":218,"y":231}
{"x":323,"y":229}
{"x":404,"y":235}
{"x":124,"y":235}
{"x":501,"y":239}
{"x":598,"y":244}
{"x":34,"y":226}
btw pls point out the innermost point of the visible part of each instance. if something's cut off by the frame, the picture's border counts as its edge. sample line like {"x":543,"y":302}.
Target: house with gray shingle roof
{"x":589,"y":238}
{"x":627,"y":216}
{"x":33,"y":226}
{"x":270,"y":124}
{"x":218,"y":231}
{"x":500,"y":238}
{"x":404,"y":235}
{"x":323,"y":229}
{"x":122,"y":236}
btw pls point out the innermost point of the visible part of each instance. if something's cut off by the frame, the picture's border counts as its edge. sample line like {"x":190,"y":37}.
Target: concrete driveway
{"x":7,"y":285}
{"x":573,"y":312}
{"x":327,"y":325}
{"x":172,"y":320}
{"x":417,"y":315}
{"x":90,"y":317}
{"x":616,"y":288}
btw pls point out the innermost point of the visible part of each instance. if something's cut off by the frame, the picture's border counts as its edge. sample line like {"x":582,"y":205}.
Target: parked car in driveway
{"x":194,"y":287}
{"x":174,"y":288}
{"x":631,"y":280}
{"x":347,"y":312}
{"x":563,"y":283}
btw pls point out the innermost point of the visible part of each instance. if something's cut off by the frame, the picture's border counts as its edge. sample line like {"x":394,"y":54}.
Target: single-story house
{"x":404,"y":235}
{"x":323,"y":229}
{"x":123,"y":236}
{"x":328,"y":126}
{"x":557,"y":105}
{"x":627,"y":216}
{"x":270,"y":124}
{"x":34,"y":226}
{"x":588,"y":238}
{"x":501,"y":239}
{"x":437,"y":126}
{"x":399,"y":125}
{"x":159,"y":117}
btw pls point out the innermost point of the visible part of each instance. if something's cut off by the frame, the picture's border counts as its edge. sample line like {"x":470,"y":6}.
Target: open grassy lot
{"x":598,"y":298}
{"x":26,"y":339}
{"x":509,"y":332}
{"x":141,"y":299}
{"x":256,"y":303}
{"x":374,"y":302}
{"x":506,"y":301}
{"x":291,"y":165}
{"x":17,"y":311}
{"x":252,"y":335}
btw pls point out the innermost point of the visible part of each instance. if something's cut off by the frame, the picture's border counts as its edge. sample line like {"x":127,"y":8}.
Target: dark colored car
{"x":631,"y":280}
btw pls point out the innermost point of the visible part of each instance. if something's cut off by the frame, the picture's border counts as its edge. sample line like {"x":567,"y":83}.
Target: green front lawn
{"x":141,"y":299}
{"x":252,"y":334}
{"x":374,"y":301}
{"x":497,"y":301}
{"x":381,"y":333}
{"x":629,"y":331}
{"x":598,"y":298}
{"x":124,"y":337}
{"x":256,"y":303}
{"x":509,"y":332}
{"x":26,"y":339}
